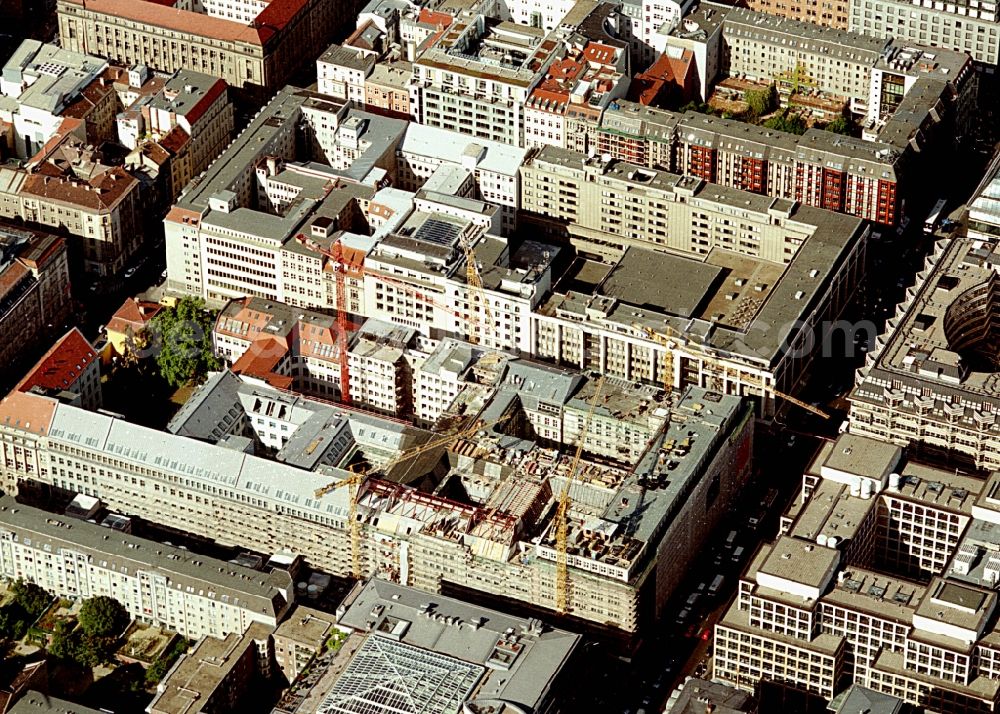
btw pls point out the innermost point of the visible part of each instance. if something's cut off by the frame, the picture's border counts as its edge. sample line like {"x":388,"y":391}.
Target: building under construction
{"x":475,"y":506}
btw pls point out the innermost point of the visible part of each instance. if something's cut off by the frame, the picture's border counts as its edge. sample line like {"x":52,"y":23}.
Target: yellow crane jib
{"x":562,"y":509}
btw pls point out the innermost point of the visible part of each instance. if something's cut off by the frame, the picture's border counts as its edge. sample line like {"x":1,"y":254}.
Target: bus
{"x":931,"y":224}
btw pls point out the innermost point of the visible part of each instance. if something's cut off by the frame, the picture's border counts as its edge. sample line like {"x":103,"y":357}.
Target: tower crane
{"x":340,"y":269}
{"x":474,"y":280}
{"x":757,"y":382}
{"x":562,"y":509}
{"x":354,"y":482}
{"x":341,"y":266}
{"x":668,"y":354}
{"x":357,"y":478}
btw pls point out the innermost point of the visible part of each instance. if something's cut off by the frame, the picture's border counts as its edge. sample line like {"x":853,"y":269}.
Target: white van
{"x":737,"y":554}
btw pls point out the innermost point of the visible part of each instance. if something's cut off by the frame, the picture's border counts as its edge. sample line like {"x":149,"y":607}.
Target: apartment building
{"x":100,"y":207}
{"x":489,"y":657}
{"x":255,"y":57}
{"x":448,"y":370}
{"x":645,"y":22}
{"x":883,"y":574}
{"x":834,"y":14}
{"x":220,"y":245}
{"x":158,"y":584}
{"x":390,"y":90}
{"x":477,"y":74}
{"x":964,"y":26}
{"x":594,"y":75}
{"x":930,"y":381}
{"x":379,"y":364}
{"x":301,"y":350}
{"x":869,"y":178}
{"x":69,"y":370}
{"x":35,"y":292}
{"x":341,"y":73}
{"x":198,"y":105}
{"x":303,"y":635}
{"x":789,"y":52}
{"x":280,"y":345}
{"x":501,"y":545}
{"x":546,"y":15}
{"x":873,"y":76}
{"x":724,"y":333}
{"x":821,"y":169}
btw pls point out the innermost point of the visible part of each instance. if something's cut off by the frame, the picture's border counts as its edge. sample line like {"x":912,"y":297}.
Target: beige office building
{"x":884,"y":572}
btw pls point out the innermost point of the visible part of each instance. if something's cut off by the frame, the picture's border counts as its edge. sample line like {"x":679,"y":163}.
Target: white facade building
{"x":196,"y":596}
{"x":493,"y":164}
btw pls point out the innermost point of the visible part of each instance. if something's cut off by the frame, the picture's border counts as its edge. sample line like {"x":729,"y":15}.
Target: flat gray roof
{"x":55,"y":76}
{"x":862,"y":456}
{"x":801,"y":561}
{"x":640,"y":278}
{"x":33,"y":702}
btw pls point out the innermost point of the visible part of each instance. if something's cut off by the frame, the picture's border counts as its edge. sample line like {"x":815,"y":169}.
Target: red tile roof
{"x":133,"y":313}
{"x":31,"y":412}
{"x":100,"y":193}
{"x":438,"y":19}
{"x":62,"y":365}
{"x":161,"y":13}
{"x":261,"y":359}
{"x":66,"y":128}
{"x":666,"y":72}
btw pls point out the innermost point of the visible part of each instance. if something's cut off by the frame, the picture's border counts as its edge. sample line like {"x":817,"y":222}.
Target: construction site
{"x":522,"y":499}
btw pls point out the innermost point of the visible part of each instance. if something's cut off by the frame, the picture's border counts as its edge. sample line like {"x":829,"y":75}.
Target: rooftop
{"x":861,"y":699}
{"x":697,"y":694}
{"x":931,"y":361}
{"x":472,"y":152}
{"x":47,"y":77}
{"x":192,"y":682}
{"x":750,"y":316}
{"x":37,"y":703}
{"x":470,"y":653}
{"x":188,"y":94}
{"x":59,"y":368}
{"x":802,"y":562}
{"x":271,"y":21}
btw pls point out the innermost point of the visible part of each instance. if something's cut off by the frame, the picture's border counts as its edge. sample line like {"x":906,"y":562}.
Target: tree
{"x":181,"y":338}
{"x":696,"y":106}
{"x":761,"y":101}
{"x":789,"y":123}
{"x":158,"y":670}
{"x":102,"y":616}
{"x":34,"y":599}
{"x":13,"y":622}
{"x":841,"y":125}
{"x":64,"y":642}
